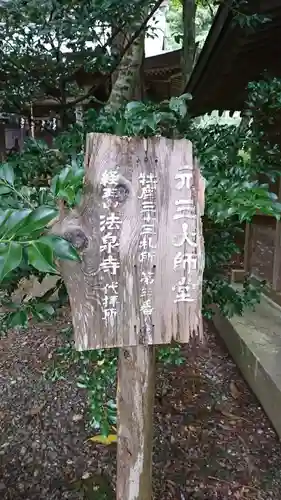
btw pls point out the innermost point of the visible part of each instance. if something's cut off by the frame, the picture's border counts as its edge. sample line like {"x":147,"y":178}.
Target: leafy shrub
{"x":233,"y":160}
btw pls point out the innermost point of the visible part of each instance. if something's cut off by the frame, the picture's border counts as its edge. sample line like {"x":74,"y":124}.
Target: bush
{"x":233,"y":160}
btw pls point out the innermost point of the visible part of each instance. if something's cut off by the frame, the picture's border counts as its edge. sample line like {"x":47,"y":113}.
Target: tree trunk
{"x":189,"y":34}
{"x":126,"y":80}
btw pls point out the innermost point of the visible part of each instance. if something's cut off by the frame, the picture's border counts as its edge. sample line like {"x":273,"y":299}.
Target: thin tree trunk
{"x":126,"y":80}
{"x":189,"y":34}
{"x":116,"y":49}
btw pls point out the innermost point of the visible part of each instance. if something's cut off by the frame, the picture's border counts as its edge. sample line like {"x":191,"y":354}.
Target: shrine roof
{"x":234,"y":55}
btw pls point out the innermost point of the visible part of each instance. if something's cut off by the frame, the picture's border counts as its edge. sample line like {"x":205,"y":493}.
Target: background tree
{"x":46,"y":45}
{"x":188,"y":25}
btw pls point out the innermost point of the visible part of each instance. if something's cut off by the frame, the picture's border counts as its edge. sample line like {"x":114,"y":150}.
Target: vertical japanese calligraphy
{"x":185,"y":239}
{"x":140,"y":277}
{"x":110,"y":224}
{"x":147,"y":197}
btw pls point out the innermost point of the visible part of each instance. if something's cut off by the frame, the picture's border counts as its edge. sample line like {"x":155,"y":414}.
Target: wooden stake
{"x":135,"y":399}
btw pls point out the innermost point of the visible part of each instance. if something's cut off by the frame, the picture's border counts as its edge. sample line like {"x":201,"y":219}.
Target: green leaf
{"x":178,"y":105}
{"x":75,"y":176}
{"x":16,"y":220}
{"x":68,"y":194}
{"x":62,"y":248}
{"x":120,"y":127}
{"x":7,"y":173}
{"x":18,"y":319}
{"x":187,"y":97}
{"x":150,"y":121}
{"x":134,"y":106}
{"x":5,"y":188}
{"x":42,"y":310}
{"x":4,"y":216}
{"x":178,"y":38}
{"x":40,"y":256}
{"x":55,"y":185}
{"x":37,"y":220}
{"x":10,"y":257}
{"x":46,"y":308}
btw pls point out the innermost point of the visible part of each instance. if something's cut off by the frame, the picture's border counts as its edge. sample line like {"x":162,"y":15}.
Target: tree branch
{"x":212,"y":12}
{"x":121,"y":55}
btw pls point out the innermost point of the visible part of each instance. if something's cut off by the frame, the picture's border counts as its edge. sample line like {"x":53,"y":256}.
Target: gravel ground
{"x":212,"y":440}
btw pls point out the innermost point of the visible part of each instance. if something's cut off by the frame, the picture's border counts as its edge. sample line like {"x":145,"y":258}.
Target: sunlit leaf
{"x":37,"y":220}
{"x":40,"y":256}
{"x":4,"y":216}
{"x":62,"y":249}
{"x":7,"y":173}
{"x":5,"y":188}
{"x":106,"y":440}
{"x":187,"y":97}
{"x":15,"y":222}
{"x":134,"y":106}
{"x":55,"y":185}
{"x":68,"y":194}
{"x":178,"y":105}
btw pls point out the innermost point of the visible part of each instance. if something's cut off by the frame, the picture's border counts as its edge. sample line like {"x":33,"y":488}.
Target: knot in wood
{"x":122,"y":192}
{"x":126,"y":354}
{"x":77,"y":238}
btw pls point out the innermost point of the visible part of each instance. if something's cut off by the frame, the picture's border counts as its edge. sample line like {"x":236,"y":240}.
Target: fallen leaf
{"x":107,"y":440}
{"x":96,"y":487}
{"x":35,"y":410}
{"x":235,"y":393}
{"x":191,"y":428}
{"x":228,"y":414}
{"x":77,"y":418}
{"x":225,"y":427}
{"x":225,"y":411}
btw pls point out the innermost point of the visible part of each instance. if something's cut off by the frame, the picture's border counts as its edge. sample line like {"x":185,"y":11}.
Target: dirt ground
{"x":212,"y":439}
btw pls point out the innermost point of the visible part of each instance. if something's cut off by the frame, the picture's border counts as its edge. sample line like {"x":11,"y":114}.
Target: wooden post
{"x":135,"y":398}
{"x":276,"y":278}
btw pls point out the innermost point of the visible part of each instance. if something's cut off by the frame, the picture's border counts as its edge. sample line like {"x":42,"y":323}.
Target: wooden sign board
{"x":140,"y":235}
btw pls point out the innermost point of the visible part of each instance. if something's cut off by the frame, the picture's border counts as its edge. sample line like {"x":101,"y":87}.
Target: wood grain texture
{"x":135,"y":399}
{"x":148,"y":298}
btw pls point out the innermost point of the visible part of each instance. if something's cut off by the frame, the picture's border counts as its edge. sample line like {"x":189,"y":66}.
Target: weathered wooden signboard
{"x":140,"y":237}
{"x":139,"y":282}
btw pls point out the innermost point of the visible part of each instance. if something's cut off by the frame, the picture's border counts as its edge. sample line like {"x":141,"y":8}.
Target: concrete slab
{"x":254,"y":342}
